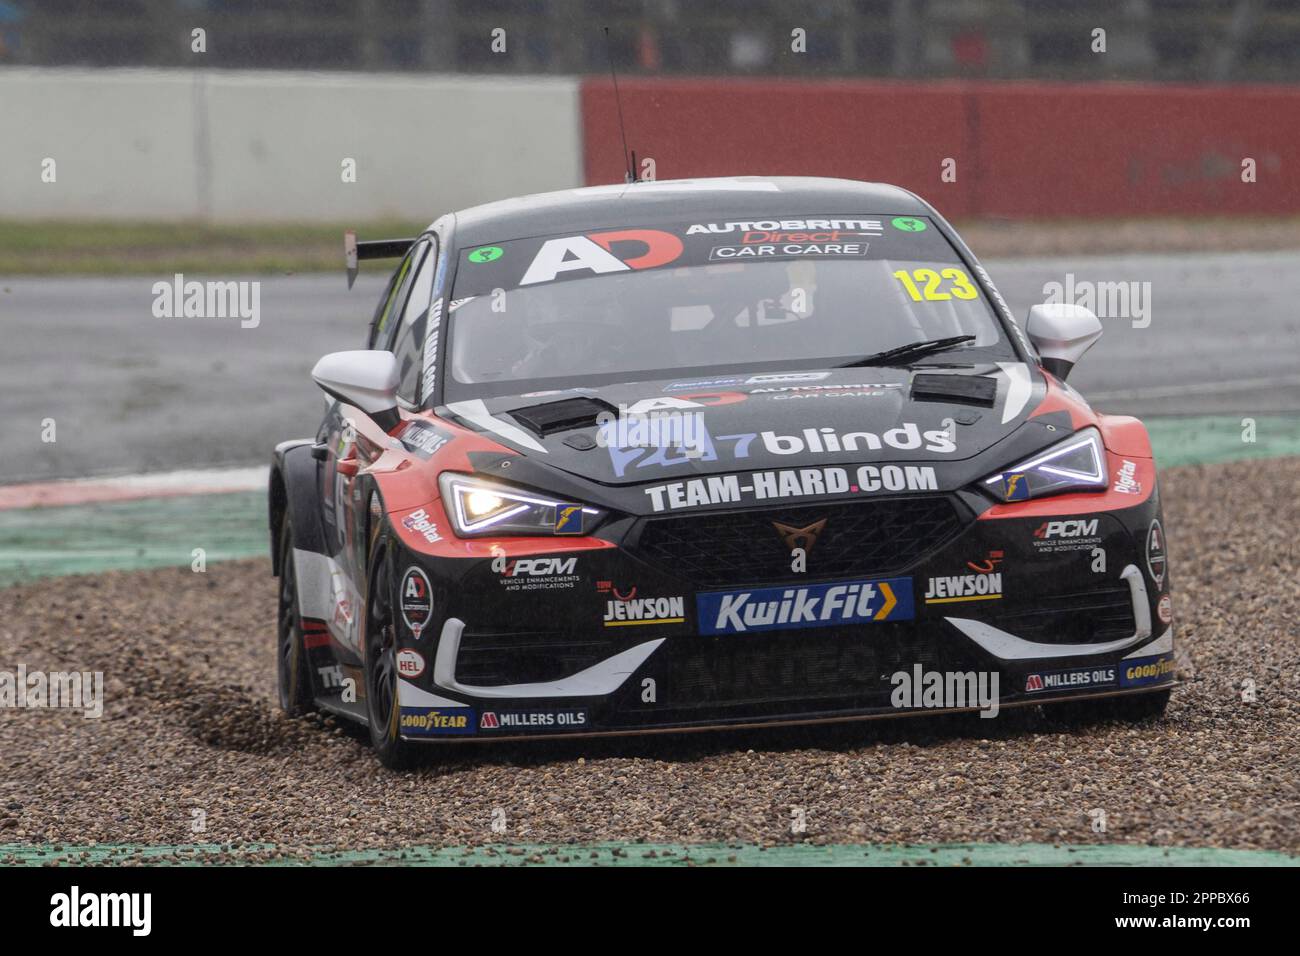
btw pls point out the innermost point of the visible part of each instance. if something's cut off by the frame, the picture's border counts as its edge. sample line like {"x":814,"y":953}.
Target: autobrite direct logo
{"x":820,"y":605}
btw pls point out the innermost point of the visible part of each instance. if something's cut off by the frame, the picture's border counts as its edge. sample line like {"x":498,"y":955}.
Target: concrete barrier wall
{"x":268,"y":146}
{"x":1030,"y":150}
{"x":235,"y":146}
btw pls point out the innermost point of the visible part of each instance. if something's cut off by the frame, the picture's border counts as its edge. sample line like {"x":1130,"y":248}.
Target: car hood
{"x":629,"y":433}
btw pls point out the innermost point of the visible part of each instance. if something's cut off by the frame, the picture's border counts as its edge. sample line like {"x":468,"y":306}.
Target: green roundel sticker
{"x":908,"y":224}
{"x":485,"y":254}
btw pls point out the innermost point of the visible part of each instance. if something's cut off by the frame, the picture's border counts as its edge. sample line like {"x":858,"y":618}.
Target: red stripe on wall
{"x":1023,"y":150}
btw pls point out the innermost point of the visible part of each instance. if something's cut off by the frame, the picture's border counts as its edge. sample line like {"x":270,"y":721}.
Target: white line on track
{"x":1197,"y":388}
{"x":165,"y":484}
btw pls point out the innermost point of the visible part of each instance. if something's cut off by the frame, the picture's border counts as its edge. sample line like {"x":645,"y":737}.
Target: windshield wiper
{"x":912,"y":350}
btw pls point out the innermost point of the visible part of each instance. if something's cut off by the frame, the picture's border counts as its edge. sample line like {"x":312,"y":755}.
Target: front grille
{"x":493,"y":658}
{"x":822,"y":668}
{"x":868,"y":538}
{"x":1081,"y":617}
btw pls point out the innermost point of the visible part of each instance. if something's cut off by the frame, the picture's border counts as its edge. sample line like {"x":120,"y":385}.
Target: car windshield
{"x":653,"y":302}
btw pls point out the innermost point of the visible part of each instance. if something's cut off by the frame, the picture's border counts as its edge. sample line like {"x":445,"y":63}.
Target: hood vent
{"x":562,"y":416}
{"x":957,"y":389}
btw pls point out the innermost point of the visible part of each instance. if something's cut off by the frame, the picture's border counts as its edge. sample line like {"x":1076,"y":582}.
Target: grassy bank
{"x":161,"y":248}
{"x":149,"y":248}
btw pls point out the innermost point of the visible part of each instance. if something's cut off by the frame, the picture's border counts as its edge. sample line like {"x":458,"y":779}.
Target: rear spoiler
{"x":354,"y":251}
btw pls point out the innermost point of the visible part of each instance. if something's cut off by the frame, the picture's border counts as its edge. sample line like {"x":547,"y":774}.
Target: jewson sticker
{"x":817,"y":605}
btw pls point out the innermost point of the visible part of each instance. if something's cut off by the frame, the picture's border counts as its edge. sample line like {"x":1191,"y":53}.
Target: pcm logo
{"x":1074,"y":528}
{"x":539,"y":567}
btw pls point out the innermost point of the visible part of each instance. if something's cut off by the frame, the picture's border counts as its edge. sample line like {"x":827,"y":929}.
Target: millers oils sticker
{"x":1070,"y":679}
{"x":522,"y":720}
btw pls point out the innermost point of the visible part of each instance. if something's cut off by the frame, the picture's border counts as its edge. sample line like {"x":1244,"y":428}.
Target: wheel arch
{"x":292,"y":489}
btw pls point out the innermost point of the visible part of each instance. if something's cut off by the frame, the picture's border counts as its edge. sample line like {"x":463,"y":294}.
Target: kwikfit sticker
{"x":817,"y":605}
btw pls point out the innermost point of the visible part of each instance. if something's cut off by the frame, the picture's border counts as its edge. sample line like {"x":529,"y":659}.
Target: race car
{"x":663,"y":457}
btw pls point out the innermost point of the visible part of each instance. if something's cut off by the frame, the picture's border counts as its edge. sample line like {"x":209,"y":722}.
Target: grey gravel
{"x":190,"y":724}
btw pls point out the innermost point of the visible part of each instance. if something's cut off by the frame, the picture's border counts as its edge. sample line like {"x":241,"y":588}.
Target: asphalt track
{"x":132,"y":393}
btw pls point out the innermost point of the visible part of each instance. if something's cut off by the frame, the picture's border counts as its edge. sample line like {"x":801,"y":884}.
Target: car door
{"x":341,"y":507}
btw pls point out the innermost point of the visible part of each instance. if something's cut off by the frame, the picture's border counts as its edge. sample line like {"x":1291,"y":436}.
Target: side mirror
{"x":1062,"y":332}
{"x":365,"y":379}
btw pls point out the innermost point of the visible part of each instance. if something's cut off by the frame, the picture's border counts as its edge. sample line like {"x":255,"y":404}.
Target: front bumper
{"x":981,"y":615}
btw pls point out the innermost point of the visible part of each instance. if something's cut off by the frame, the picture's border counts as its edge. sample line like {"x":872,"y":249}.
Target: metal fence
{"x":1162,"y":40}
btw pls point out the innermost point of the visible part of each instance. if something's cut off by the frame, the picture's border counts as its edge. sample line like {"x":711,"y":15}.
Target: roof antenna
{"x":629,"y":159}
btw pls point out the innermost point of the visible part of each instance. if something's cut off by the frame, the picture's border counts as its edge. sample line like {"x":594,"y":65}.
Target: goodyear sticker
{"x":568,"y":519}
{"x":1015,"y":487}
{"x":1146,"y":670}
{"x":436,"y":721}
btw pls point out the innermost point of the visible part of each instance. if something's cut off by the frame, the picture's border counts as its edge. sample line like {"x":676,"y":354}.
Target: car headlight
{"x":1076,"y":464}
{"x":479,"y":507}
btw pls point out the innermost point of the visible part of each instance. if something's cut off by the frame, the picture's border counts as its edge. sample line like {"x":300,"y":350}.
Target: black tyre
{"x":382,"y":707}
{"x":290,"y":654}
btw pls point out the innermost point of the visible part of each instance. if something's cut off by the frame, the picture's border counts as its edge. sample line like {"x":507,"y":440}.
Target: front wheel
{"x":290,"y":654}
{"x":382,"y":708}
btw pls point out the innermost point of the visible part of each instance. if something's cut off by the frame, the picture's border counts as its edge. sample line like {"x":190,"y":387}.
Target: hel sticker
{"x":410,"y":663}
{"x":416,"y":601}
